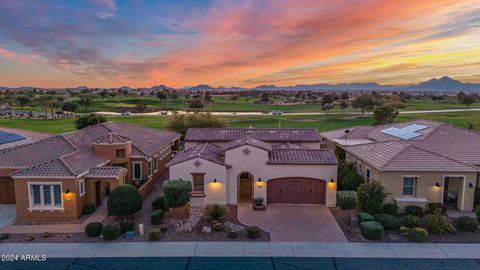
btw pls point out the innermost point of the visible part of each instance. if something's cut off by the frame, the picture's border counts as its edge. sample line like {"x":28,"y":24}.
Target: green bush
{"x":441,"y":206}
{"x":403,"y":229}
{"x":351,"y":180}
{"x":88,"y":209}
{"x":362,"y":216}
{"x":154,"y":234}
{"x":476,"y":197}
{"x":159,"y":203}
{"x":111,"y":232}
{"x":124,"y":200}
{"x":467,"y":224}
{"x":253,"y":232}
{"x":411,"y":221}
{"x":177,"y":193}
{"x":437,"y":223}
{"x":390,"y":208}
{"x":347,"y":200}
{"x":156,"y":216}
{"x":414,"y":210}
{"x":94,"y":229}
{"x":127,"y":226}
{"x":4,"y":236}
{"x":370,"y":197}
{"x":216,"y":212}
{"x":218,"y":226}
{"x":372,"y":230}
{"x":232,"y":234}
{"x":417,"y":234}
{"x":89,"y":120}
{"x":477,"y":213}
{"x":387,"y":221}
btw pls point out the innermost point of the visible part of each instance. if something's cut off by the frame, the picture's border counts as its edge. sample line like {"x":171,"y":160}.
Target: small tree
{"x":364,"y":102}
{"x":384,"y":115}
{"x":124,"y":200}
{"x":89,"y":120}
{"x":177,"y":193}
{"x":468,"y":99}
{"x":265,"y":97}
{"x":351,"y":180}
{"x":371,"y":197}
{"x":196,"y":103}
{"x":23,"y":100}
{"x":347,"y":201}
{"x":141,"y":108}
{"x":327,"y":99}
{"x":327,"y":107}
{"x":161,"y":95}
{"x":70,"y":106}
{"x":181,"y":123}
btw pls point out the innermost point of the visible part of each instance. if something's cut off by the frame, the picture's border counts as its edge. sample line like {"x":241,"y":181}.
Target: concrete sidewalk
{"x":244,"y":249}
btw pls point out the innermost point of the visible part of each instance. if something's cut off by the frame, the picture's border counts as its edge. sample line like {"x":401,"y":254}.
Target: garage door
{"x":296,"y":190}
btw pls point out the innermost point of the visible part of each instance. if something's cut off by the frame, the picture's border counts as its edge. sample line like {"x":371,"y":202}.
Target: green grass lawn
{"x":320,"y":122}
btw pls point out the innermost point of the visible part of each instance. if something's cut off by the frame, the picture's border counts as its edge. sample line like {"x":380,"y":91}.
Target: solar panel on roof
{"x":6,"y":137}
{"x":405,"y":133}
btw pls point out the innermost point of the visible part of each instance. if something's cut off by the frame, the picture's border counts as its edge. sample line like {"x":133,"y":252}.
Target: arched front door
{"x":245,"y":187}
{"x":298,"y":190}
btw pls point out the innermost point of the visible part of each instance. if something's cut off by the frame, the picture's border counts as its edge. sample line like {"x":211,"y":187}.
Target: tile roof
{"x":111,"y":138}
{"x":106,"y":172}
{"x":264,"y":134}
{"x":30,"y":136}
{"x":302,"y":157}
{"x":247,"y":141}
{"x":206,"y":151}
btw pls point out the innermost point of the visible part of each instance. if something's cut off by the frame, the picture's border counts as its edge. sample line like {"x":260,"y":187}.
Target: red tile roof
{"x":105,"y":172}
{"x":302,"y":157}
{"x":206,"y":151}
{"x":112,"y":138}
{"x":263,"y":134}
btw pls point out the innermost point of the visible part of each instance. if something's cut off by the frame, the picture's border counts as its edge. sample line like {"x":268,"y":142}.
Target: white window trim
{"x":31,"y":205}
{"x":415,"y":180}
{"x":150,"y":167}
{"x":80,"y":188}
{"x":155,"y":164}
{"x":133,"y":170}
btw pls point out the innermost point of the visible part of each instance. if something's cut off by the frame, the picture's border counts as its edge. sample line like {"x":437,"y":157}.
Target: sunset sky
{"x":107,"y":43}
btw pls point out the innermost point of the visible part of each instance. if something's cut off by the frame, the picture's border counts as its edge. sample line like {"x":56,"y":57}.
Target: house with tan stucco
{"x":235,"y":165}
{"x":54,"y":177}
{"x":417,"y":162}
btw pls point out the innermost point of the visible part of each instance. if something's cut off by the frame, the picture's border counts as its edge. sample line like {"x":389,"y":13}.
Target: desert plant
{"x":390,"y":208}
{"x":372,"y":230}
{"x":387,"y":221}
{"x":4,"y":236}
{"x":94,"y":229}
{"x":403,"y":229}
{"x":347,"y":200}
{"x":437,"y":223}
{"x":258,"y":201}
{"x":253,"y":232}
{"x":29,"y":238}
{"x":111,"y":232}
{"x":154,"y":234}
{"x":370,"y":197}
{"x":362,"y":216}
{"x":411,"y":221}
{"x":467,"y":224}
{"x":177,"y":193}
{"x":417,"y":234}
{"x":232,"y":234}
{"x":218,"y":226}
{"x":156,"y":216}
{"x":159,"y":203}
{"x":124,"y":200}
{"x":46,"y":235}
{"x":414,"y":210}
{"x":88,"y":209}
{"x":216,"y":212}
{"x":127,"y":226}
{"x":441,"y":206}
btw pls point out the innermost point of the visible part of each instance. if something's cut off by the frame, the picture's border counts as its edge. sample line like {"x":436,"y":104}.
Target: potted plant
{"x":258,"y":203}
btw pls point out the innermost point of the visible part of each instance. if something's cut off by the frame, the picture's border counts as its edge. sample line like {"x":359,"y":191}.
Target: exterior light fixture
{"x":331,"y":181}
{"x":67,"y":191}
{"x":215,"y":180}
{"x":470,"y":185}
{"x":437,"y":184}
{"x":259,"y":180}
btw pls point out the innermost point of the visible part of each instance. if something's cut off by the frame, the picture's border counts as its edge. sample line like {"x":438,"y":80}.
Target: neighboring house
{"x":417,"y":162}
{"x":233,"y":165}
{"x":54,"y":178}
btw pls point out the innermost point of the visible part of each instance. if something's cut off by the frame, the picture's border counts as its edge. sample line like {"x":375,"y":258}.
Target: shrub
{"x":154,"y":234}
{"x":218,"y":226}
{"x":451,"y":229}
{"x":414,"y":210}
{"x":88,"y":209}
{"x":467,"y":224}
{"x":417,"y":234}
{"x":159,"y":203}
{"x":29,"y":238}
{"x":411,"y":221}
{"x":370,"y":197}
{"x":111,"y":232}
{"x":387,"y":221}
{"x":404,"y":229}
{"x":476,"y":197}
{"x":372,"y":230}
{"x":4,"y":236}
{"x":216,"y":212}
{"x":437,"y":223}
{"x":127,"y":226}
{"x":177,"y":193}
{"x":477,"y":213}
{"x":351,"y":180}
{"x":390,"y":208}
{"x":94,"y":229}
{"x":362,"y":216}
{"x":347,"y":200}
{"x":441,"y":206}
{"x":258,"y":201}
{"x":164,"y":229}
{"x":232,"y":234}
{"x":89,"y":120}
{"x":156,"y":216}
{"x":253,"y":232}
{"x":124,"y":200}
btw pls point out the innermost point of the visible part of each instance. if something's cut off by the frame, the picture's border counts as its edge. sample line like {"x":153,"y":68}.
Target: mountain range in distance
{"x":444,"y":84}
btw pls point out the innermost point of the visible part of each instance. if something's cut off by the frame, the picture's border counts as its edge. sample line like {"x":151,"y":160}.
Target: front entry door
{"x":98,"y":192}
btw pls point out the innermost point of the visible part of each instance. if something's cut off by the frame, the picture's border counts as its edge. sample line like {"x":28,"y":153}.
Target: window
{"x":367,"y":175}
{"x":408,"y":185}
{"x":120,"y":153}
{"x":137,"y":170}
{"x":82,"y":188}
{"x":150,"y":167}
{"x":45,"y":196}
{"x":360,"y":169}
{"x":198,"y":185}
{"x":155,"y":164}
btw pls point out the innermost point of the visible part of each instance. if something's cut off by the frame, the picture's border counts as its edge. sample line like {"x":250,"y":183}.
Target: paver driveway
{"x":294,"y":222}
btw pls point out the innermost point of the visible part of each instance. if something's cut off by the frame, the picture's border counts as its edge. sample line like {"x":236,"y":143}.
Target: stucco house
{"x":54,"y":178}
{"x":234,"y":165}
{"x":417,"y":162}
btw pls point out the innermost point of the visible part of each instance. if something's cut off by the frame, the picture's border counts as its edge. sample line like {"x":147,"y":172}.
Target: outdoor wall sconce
{"x":67,"y":191}
{"x":215,"y":180}
{"x":259,"y":180}
{"x":332,"y":181}
{"x":437,"y":184}
{"x":470,"y":185}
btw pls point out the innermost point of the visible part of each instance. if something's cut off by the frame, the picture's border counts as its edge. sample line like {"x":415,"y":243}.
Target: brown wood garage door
{"x":7,"y":190}
{"x":296,"y":190}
